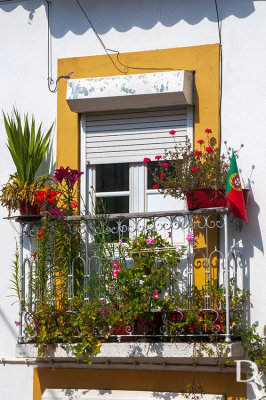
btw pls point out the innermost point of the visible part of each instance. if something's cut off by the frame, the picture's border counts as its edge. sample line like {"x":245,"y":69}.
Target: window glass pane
{"x":112,"y":205}
{"x":112,"y":177}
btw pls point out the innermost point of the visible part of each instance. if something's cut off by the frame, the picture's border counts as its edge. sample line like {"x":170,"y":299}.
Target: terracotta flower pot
{"x":208,"y":198}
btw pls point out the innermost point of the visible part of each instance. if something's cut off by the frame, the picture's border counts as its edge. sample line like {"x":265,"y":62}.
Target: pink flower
{"x":208,"y":130}
{"x":17,"y":323}
{"x":120,"y":242}
{"x":197,"y":153}
{"x":162,"y":175}
{"x":200,"y":141}
{"x":158,"y":158}
{"x":150,"y":241}
{"x":190,"y":237}
{"x":99,"y":310}
{"x":74,"y":204}
{"x":155,"y":186}
{"x":118,"y":270}
{"x":114,"y":274}
{"x":209,"y":149}
{"x":194,"y":169}
{"x":165,"y":165}
{"x":155,"y":294}
{"x":172,"y":132}
{"x":146,"y":160}
{"x":115,"y":264}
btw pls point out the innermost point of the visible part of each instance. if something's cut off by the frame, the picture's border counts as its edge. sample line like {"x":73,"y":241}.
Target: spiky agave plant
{"x":27,"y":145}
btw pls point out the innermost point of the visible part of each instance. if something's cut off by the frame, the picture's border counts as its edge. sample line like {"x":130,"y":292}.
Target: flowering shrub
{"x":183,"y":168}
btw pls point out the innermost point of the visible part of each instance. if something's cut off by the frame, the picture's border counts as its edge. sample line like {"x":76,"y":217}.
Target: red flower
{"x":155,"y":186}
{"x":197,"y":153}
{"x":50,"y":196}
{"x":194,"y":169}
{"x":209,"y":149}
{"x":208,"y":130}
{"x":162,"y":175}
{"x":74,"y":204}
{"x":172,"y":132}
{"x":34,"y":255}
{"x":40,"y":233}
{"x":200,"y":141}
{"x":165,"y":165}
{"x":39,"y":196}
{"x":146,"y":160}
{"x":158,"y":158}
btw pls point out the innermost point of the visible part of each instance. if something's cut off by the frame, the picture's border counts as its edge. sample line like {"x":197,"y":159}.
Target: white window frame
{"x":137,"y":198}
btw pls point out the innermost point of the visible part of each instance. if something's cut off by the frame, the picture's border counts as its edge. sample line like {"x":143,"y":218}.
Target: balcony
{"x":127,"y":280}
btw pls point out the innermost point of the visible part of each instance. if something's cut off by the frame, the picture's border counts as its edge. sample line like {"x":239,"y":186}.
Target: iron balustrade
{"x":172,"y":226}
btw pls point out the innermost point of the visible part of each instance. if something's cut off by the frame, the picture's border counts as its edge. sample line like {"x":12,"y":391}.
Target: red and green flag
{"x":234,"y":192}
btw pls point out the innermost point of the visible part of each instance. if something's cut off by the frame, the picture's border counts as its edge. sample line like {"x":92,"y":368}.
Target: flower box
{"x":208,"y":198}
{"x":208,"y":321}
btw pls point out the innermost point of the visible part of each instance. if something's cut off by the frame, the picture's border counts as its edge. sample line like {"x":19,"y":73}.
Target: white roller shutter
{"x":131,"y":136}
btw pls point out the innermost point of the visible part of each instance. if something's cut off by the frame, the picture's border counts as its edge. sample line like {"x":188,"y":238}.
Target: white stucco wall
{"x":133,"y":26}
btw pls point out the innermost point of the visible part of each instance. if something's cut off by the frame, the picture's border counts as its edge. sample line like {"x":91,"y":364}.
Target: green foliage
{"x":154,"y":261}
{"x":203,"y":168}
{"x":27,"y":145}
{"x":13,"y":192}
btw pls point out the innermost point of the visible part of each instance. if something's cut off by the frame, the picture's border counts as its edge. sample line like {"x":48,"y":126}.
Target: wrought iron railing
{"x":203,"y":262}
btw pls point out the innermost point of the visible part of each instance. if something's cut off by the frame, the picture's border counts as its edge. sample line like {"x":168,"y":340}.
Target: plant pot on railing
{"x":26,"y":208}
{"x":141,"y":327}
{"x":209,"y":198}
{"x":205,"y":322}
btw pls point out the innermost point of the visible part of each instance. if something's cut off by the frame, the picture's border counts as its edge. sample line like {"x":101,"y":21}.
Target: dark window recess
{"x":151,"y":169}
{"x":112,"y":177}
{"x":112,"y":205}
{"x":152,"y":165}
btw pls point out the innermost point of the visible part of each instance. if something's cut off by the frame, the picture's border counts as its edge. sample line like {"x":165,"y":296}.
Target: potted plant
{"x":28,"y":147}
{"x":141,"y":282}
{"x":199,"y":175}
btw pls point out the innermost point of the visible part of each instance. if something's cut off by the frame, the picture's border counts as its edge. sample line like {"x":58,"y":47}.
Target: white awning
{"x":109,"y":93}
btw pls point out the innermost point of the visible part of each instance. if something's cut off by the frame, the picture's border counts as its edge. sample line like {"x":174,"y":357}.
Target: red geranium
{"x":172,"y":132}
{"x":200,"y":141}
{"x":194,"y":169}
{"x":208,"y":130}
{"x":197,"y":153}
{"x":146,"y":160}
{"x":162,"y":175}
{"x":209,"y":149}
{"x":155,"y":186}
{"x":74,"y":204}
{"x":165,"y":165}
{"x":158,"y":158}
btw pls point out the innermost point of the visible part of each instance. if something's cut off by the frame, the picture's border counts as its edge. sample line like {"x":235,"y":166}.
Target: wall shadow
{"x":122,"y":15}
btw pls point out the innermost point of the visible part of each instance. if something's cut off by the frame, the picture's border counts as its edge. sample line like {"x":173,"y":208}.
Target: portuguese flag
{"x":234,"y":192}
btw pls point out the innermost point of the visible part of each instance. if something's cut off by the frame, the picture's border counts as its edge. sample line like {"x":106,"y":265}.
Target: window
{"x":115,"y":145}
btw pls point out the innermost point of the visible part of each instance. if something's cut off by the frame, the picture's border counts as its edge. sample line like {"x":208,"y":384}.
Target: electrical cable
{"x":12,"y":1}
{"x":221,"y":69}
{"x":126,"y":67}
